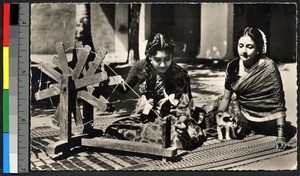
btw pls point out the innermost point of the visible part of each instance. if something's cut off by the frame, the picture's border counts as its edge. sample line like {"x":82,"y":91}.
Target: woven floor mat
{"x":225,"y":155}
{"x":214,"y":154}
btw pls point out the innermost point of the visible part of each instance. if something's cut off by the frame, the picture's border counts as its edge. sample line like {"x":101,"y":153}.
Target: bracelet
{"x":278,"y":138}
{"x":280,"y":129}
{"x":219,"y":111}
{"x":280,"y":126}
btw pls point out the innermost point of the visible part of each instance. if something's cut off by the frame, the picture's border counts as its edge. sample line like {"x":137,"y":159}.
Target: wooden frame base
{"x":64,"y":145}
{"x":130,"y":146}
{"x":112,"y":144}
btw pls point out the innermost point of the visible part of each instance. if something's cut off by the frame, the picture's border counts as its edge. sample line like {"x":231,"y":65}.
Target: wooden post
{"x":166,"y":133}
{"x":78,"y":116}
{"x":64,"y":110}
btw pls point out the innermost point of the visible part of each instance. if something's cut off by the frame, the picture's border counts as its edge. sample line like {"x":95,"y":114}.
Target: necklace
{"x":244,"y":70}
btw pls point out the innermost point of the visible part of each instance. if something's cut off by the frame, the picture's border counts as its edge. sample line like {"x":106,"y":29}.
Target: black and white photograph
{"x":163,"y":86}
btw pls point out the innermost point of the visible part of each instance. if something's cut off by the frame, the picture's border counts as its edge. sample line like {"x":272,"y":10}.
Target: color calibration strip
{"x":11,"y":91}
{"x":23,"y":87}
{"x":13,"y":88}
{"x":6,"y":25}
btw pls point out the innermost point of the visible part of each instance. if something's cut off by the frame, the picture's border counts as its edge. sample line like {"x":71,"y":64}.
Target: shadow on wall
{"x":51,"y":23}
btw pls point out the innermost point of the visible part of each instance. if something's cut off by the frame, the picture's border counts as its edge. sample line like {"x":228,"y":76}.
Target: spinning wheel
{"x":72,"y":84}
{"x":78,"y":85}
{"x":70,"y":77}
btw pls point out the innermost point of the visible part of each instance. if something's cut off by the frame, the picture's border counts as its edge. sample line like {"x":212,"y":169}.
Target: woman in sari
{"x":256,"y":81}
{"x":165,"y":89}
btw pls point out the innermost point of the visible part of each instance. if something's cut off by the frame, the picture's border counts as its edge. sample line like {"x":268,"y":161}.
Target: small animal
{"x":188,"y":134}
{"x":227,"y":121}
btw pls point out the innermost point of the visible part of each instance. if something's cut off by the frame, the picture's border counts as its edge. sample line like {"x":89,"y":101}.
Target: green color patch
{"x":5,"y":111}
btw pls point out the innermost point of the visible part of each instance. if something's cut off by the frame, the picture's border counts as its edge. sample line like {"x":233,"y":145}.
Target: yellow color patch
{"x":5,"y":67}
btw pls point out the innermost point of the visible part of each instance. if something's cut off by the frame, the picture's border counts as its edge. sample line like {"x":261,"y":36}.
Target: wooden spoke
{"x":56,"y":62}
{"x":62,"y":58}
{"x":103,"y":100}
{"x":92,"y":69}
{"x":78,"y":47}
{"x":89,"y":80}
{"x":46,"y":68}
{"x":82,"y":57}
{"x":53,"y":90}
{"x":97,"y":103}
{"x":96,"y":62}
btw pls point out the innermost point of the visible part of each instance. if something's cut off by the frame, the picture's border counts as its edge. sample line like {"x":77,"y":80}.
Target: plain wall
{"x":52,"y":23}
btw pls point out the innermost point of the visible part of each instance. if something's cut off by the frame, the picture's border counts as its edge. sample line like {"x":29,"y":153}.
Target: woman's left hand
{"x":281,"y":143}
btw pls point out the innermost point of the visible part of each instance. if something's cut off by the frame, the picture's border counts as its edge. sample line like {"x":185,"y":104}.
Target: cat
{"x":227,"y":121}
{"x":187,"y":134}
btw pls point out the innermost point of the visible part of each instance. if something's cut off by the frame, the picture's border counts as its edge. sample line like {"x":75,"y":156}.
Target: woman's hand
{"x":281,"y":143}
{"x":143,"y":106}
{"x":180,"y":125}
{"x":148,"y":106}
{"x":223,"y":106}
{"x":120,"y":81}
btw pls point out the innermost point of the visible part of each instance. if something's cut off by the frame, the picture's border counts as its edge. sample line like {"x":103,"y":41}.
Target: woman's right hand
{"x":119,"y":79}
{"x":148,"y":106}
{"x":180,"y":126}
{"x":223,"y":106}
{"x":120,"y":82}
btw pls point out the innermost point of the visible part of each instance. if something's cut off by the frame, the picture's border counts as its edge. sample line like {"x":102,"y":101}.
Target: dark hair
{"x":156,"y":43}
{"x":255,"y":35}
{"x":159,"y":42}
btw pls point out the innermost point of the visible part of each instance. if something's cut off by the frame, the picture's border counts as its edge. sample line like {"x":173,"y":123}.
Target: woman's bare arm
{"x":225,"y":100}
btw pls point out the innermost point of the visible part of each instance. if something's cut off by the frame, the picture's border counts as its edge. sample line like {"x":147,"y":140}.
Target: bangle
{"x":280,"y":138}
{"x":280,"y":127}
{"x":219,"y":111}
{"x":280,"y":131}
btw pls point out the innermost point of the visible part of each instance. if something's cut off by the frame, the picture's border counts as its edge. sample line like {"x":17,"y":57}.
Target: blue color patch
{"x":6,"y":153}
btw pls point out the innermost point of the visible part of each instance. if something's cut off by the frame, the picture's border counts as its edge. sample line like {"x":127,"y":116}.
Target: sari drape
{"x":260,"y":92}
